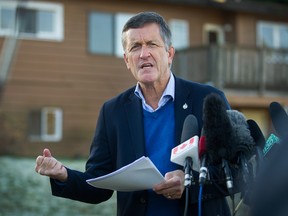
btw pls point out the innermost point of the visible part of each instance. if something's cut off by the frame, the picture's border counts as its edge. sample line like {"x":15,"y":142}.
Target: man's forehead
{"x":146,"y":26}
{"x":143,"y":33}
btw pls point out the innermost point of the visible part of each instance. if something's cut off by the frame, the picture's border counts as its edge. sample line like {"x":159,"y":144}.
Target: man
{"x":147,"y":119}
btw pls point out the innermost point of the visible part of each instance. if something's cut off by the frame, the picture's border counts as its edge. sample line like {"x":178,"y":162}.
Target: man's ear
{"x":171,"y":53}
{"x":126,"y":61}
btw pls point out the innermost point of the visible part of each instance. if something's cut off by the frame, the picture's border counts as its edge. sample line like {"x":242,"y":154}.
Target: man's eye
{"x":134,"y":47}
{"x":153,"y":45}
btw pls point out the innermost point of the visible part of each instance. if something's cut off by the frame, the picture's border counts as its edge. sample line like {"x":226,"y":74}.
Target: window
{"x":101,"y":33}
{"x":45,"y":125}
{"x":272,"y":35}
{"x":121,"y":19}
{"x":180,"y":33}
{"x":33,"y":20}
{"x":105,"y":31}
{"x":213,"y":34}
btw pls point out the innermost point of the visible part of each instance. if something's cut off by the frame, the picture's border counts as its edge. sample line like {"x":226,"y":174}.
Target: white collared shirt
{"x":168,"y":93}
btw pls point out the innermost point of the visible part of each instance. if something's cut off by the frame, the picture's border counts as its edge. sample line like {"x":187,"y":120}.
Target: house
{"x":60,"y":60}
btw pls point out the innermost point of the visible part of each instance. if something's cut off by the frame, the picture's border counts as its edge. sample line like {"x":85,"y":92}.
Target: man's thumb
{"x":47,"y":153}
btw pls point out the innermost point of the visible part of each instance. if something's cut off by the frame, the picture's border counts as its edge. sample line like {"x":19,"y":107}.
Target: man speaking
{"x":145,"y":120}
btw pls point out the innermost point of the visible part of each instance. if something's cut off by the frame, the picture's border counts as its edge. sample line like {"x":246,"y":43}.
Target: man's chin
{"x":148,"y":77}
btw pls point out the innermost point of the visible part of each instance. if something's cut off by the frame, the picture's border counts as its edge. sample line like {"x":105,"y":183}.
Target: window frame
{"x":217,"y":29}
{"x":57,"y":34}
{"x":276,"y":26}
{"x":180,"y":39}
{"x":118,"y":20}
{"x":58,"y":126}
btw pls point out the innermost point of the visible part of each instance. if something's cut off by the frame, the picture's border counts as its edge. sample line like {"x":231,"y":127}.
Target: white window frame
{"x":276,"y":33}
{"x":57,"y":34}
{"x":58,"y":124}
{"x":44,"y":136}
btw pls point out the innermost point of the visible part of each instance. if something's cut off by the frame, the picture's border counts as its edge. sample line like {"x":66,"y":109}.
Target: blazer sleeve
{"x":76,"y":188}
{"x":98,"y":164}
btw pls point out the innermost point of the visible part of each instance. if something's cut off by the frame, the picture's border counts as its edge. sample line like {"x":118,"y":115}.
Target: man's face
{"x":146,"y":56}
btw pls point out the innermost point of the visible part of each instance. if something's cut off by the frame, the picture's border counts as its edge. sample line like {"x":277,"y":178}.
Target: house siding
{"x":64,"y":74}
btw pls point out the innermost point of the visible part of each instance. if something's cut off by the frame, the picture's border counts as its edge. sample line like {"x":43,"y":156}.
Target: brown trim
{"x":268,"y":8}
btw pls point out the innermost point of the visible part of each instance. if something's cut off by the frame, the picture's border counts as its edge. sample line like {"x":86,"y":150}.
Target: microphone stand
{"x":229,"y":180}
{"x":243,"y":163}
{"x":188,"y":181}
{"x":188,"y":172}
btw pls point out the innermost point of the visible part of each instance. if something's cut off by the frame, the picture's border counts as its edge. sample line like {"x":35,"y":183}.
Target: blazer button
{"x":142,"y":200}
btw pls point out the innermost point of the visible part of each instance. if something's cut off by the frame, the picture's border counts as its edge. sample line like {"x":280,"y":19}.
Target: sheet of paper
{"x":141,"y":174}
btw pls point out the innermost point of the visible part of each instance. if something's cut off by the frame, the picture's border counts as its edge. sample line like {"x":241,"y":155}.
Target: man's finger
{"x":47,"y":153}
{"x":39,"y":160}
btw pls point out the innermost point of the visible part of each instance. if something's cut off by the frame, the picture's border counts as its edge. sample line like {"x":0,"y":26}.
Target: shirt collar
{"x":168,"y":93}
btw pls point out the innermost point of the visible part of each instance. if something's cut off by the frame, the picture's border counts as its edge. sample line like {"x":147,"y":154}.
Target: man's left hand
{"x":173,"y":185}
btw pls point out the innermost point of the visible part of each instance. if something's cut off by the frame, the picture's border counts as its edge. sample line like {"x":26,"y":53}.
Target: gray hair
{"x":143,"y":18}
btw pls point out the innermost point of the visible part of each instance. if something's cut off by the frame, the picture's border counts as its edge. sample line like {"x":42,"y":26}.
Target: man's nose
{"x":145,"y":52}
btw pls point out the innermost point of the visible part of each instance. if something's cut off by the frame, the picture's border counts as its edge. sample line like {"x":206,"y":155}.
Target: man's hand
{"x":173,"y":186}
{"x":49,"y":166}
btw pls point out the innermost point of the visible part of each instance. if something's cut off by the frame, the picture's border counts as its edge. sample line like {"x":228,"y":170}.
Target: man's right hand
{"x":49,"y":166}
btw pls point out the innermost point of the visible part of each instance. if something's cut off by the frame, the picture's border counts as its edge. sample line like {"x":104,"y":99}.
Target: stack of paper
{"x":142,"y":174}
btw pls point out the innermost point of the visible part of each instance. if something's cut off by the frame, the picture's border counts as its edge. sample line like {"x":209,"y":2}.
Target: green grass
{"x":24,"y":192}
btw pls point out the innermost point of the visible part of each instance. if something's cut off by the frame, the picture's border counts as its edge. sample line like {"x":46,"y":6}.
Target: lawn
{"x":23,"y":192}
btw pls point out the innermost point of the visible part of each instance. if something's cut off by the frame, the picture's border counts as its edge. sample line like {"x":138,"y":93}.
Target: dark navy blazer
{"x":119,"y":140}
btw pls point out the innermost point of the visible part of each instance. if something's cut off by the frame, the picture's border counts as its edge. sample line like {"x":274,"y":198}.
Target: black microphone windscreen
{"x":190,"y":128}
{"x":259,"y":140}
{"x":256,"y":133}
{"x":217,"y":127}
{"x":279,"y":119}
{"x":241,"y":136}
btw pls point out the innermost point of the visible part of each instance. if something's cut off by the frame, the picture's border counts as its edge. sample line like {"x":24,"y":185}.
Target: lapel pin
{"x":185,"y":106}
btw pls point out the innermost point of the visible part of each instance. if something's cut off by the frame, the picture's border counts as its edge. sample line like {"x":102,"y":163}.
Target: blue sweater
{"x":159,"y":139}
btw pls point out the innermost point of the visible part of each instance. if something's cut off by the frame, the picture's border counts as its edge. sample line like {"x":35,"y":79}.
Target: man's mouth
{"x":146,"y":65}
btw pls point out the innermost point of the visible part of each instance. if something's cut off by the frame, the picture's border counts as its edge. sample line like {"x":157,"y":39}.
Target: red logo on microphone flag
{"x":183,"y":146}
{"x":191,"y":141}
{"x":175,"y":150}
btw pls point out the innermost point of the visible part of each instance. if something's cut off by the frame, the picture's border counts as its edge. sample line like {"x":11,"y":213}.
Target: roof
{"x":269,"y":8}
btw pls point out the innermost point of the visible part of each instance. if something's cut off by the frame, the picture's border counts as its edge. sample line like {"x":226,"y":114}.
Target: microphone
{"x":228,"y":174}
{"x":279,"y":119}
{"x":186,"y":154}
{"x":202,"y":149}
{"x":271,"y":182}
{"x":242,"y":149}
{"x":259,"y":140}
{"x":262,"y":150}
{"x":270,"y":188}
{"x":218,"y":131}
{"x":216,"y":127}
{"x":243,"y":142}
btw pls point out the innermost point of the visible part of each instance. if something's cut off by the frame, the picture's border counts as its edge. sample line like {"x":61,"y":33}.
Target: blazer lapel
{"x":135,"y":121}
{"x":183,"y":107}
